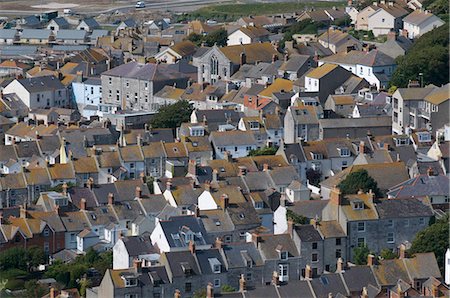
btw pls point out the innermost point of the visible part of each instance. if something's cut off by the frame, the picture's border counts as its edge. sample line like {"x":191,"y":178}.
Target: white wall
{"x":159,"y":238}
{"x":311,"y":85}
{"x":120,"y":256}
{"x":206,"y":201}
{"x":381,"y":22}
{"x":237,"y":38}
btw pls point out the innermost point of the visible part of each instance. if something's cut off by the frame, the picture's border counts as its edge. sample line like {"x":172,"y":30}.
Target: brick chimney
{"x":340,"y":265}
{"x":430,"y":171}
{"x":227,"y":156}
{"x":57,"y":209}
{"x":275,"y":279}
{"x":110,"y":199}
{"x":361,"y":147}
{"x":265,"y":167}
{"x":242,"y":170}
{"x":210,"y":290}
{"x":169,"y":185}
{"x":83,"y":204}
{"x":242,"y":284}
{"x":137,"y":265}
{"x":308,"y":272}
{"x":364,"y":293}
{"x":242,"y":58}
{"x":256,"y":239}
{"x":65,"y":187}
{"x":142,"y":177}
{"x":336,"y":197}
{"x":138,"y":192}
{"x":392,"y":36}
{"x":90,"y":183}
{"x":192,"y":167}
{"x":23,"y":211}
{"x":197,"y":212}
{"x":52,"y":293}
{"x":192,"y":247}
{"x":177,"y":294}
{"x":224,"y":202}
{"x":215,"y":175}
{"x":291,"y":225}
{"x":370,"y":260}
{"x":402,"y":251}
{"x":218,"y":243}
{"x":385,"y":146}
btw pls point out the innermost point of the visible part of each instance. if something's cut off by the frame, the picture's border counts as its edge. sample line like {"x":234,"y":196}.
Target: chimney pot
{"x":340,"y":265}
{"x":192,"y":247}
{"x":138,"y":192}
{"x":308,"y":272}
{"x":110,"y":199}
{"x":402,"y":251}
{"x":83,"y":204}
{"x":210,"y":290}
{"x":370,"y":260}
{"x":242,"y":284}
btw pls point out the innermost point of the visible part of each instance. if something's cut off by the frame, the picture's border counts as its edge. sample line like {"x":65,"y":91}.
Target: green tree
{"x":360,"y":254}
{"x":429,"y":56}
{"x":434,"y":238}
{"x":297,"y":218}
{"x":171,"y":116}
{"x":387,"y":254}
{"x":196,"y":39}
{"x":219,"y":37}
{"x":263,"y":151}
{"x":227,"y":289}
{"x":359,"y":180}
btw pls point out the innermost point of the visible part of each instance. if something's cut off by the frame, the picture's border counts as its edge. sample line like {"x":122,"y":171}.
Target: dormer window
{"x":284,"y":255}
{"x":401,"y":141}
{"x":215,"y":264}
{"x":358,"y":205}
{"x":316,"y":156}
{"x":424,"y":136}
{"x":254,"y":125}
{"x":186,"y":268}
{"x":344,"y":152}
{"x":259,"y":205}
{"x":129,"y":281}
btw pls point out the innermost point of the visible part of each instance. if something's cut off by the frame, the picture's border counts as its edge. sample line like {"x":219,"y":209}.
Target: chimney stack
{"x":265,"y":167}
{"x":192,"y":168}
{"x":177,"y":294}
{"x":192,"y":247}
{"x":256,"y":239}
{"x":138,"y":192}
{"x":336,"y":196}
{"x":224,"y":202}
{"x":137,"y":265}
{"x":430,"y":171}
{"x":340,"y":265}
{"x":242,"y":170}
{"x":207,"y":185}
{"x":57,"y":209}
{"x":83,"y":204}
{"x":64,"y":188}
{"x":23,"y":210}
{"x":308,"y":272}
{"x":291,"y":225}
{"x":370,"y":260}
{"x":209,"y":290}
{"x":52,"y":293}
{"x":169,"y":185}
{"x":197,"y":212}
{"x":242,"y":284}
{"x":364,"y":293}
{"x":243,"y":59}
{"x":110,"y":199}
{"x":218,"y":243}
{"x":215,"y":175}
{"x":275,"y":279}
{"x":402,"y":251}
{"x":143,"y":178}
{"x":90,"y":183}
{"x":361,"y":147}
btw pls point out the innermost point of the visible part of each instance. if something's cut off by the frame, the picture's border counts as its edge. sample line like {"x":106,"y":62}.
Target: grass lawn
{"x":229,"y":12}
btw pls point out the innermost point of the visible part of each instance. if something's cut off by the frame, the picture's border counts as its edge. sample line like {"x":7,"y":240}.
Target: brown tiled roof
{"x":261,"y":52}
{"x":131,"y":153}
{"x":85,"y":165}
{"x":61,"y":171}
{"x":175,"y":150}
{"x":321,"y":71}
{"x":277,"y":86}
{"x":184,"y":48}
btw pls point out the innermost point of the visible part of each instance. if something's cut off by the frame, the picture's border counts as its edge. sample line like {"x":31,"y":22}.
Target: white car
{"x":140,"y":4}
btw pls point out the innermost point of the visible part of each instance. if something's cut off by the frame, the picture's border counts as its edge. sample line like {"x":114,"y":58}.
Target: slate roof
{"x":139,"y":245}
{"x":307,"y":233}
{"x":68,"y":34}
{"x":421,"y":186}
{"x":233,"y":138}
{"x":237,"y":253}
{"x":7,"y":33}
{"x":417,"y":17}
{"x":328,"y":283}
{"x":175,"y":225}
{"x":357,"y":277}
{"x":38,"y":84}
{"x":309,"y":209}
{"x":177,"y":260}
{"x":35,"y":34}
{"x":407,"y":207}
{"x":269,"y":244}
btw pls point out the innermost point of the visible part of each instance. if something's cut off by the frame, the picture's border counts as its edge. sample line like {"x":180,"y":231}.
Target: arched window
{"x":214,"y":65}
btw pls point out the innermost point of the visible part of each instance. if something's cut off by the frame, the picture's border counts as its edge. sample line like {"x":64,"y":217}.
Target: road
{"x":159,"y":5}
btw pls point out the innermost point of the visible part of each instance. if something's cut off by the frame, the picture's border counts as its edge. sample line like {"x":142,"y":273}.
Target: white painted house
{"x":248,"y":35}
{"x":420,"y":22}
{"x":386,"y":17}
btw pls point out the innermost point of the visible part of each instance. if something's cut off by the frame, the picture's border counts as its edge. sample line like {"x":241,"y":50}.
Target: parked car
{"x":140,"y":4}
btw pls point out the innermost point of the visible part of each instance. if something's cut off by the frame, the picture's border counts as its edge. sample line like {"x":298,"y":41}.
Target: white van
{"x":68,"y":12}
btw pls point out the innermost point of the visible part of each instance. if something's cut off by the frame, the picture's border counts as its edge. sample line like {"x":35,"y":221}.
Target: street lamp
{"x":421,"y":79}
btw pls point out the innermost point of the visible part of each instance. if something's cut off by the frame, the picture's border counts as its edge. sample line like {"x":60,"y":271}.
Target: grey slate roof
{"x":71,"y":34}
{"x":7,"y":33}
{"x":238,"y":252}
{"x":232,"y":138}
{"x":139,"y":245}
{"x":421,"y":186}
{"x":35,"y":33}
{"x":328,"y":283}
{"x":39,"y":84}
{"x":98,"y":33}
{"x":396,"y":208}
{"x":358,"y":277}
{"x":308,"y":233}
{"x":91,"y":22}
{"x":176,"y":225}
